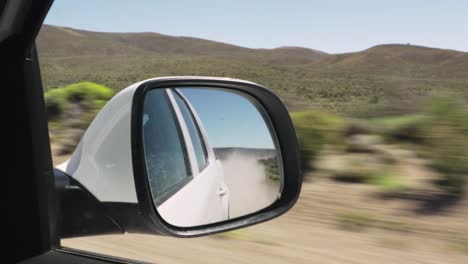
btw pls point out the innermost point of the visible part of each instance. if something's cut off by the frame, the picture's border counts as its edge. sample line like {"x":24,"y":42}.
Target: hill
{"x":59,"y":41}
{"x":398,"y":58}
{"x":381,"y":80}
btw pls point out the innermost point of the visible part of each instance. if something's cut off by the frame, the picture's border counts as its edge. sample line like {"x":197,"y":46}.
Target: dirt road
{"x":333,"y":222}
{"x":311,"y":233}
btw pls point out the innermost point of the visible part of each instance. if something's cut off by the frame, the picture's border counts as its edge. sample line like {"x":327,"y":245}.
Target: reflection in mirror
{"x":211,"y":155}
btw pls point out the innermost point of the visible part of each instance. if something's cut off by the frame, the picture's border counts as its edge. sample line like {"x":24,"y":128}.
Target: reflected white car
{"x":194,"y":191}
{"x":187,"y":185}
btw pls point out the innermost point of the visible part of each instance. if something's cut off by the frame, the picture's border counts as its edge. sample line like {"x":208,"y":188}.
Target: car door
{"x":213,"y":169}
{"x":196,"y":176}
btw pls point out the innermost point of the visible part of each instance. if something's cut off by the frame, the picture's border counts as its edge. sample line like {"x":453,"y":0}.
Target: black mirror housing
{"x":287,"y":141}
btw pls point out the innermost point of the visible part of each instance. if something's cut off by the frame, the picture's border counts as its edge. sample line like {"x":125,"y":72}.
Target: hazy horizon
{"x":284,"y":46}
{"x":330,"y":26}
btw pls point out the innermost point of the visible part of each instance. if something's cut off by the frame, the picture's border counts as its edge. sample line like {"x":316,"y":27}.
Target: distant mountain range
{"x":62,"y":42}
{"x":59,"y":41}
{"x":300,"y":75}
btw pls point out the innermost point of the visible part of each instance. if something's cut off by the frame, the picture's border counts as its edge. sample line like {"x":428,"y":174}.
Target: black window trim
{"x":29,"y":186}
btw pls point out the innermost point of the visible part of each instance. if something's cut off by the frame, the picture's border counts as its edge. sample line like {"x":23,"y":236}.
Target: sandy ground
{"x":309,"y":233}
{"x":424,"y":227}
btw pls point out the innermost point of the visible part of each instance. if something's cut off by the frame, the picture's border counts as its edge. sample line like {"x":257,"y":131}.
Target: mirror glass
{"x":211,"y":155}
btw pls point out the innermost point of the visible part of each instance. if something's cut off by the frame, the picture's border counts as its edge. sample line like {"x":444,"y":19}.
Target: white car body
{"x":102,"y":163}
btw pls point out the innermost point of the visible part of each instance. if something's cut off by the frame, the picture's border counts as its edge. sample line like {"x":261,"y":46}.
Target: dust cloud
{"x":250,"y":188}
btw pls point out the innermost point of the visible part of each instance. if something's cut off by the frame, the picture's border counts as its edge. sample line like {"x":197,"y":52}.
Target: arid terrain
{"x":333,"y":222}
{"x":383,"y":134}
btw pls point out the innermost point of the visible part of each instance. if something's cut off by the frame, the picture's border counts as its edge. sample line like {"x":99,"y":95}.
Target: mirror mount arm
{"x":82,"y":214}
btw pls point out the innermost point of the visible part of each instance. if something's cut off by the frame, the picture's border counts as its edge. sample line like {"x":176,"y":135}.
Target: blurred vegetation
{"x":439,"y":132}
{"x":404,"y":128}
{"x":380,"y":92}
{"x":70,"y":110}
{"x":440,"y":129}
{"x":380,"y":81}
{"x":271,"y":168}
{"x":88,"y":94}
{"x":388,"y":181}
{"x":314,"y":130}
{"x":447,"y":140}
{"x":360,"y":118}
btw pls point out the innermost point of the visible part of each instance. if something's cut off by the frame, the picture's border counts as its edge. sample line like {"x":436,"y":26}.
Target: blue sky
{"x":230,"y":120}
{"x":333,"y":26}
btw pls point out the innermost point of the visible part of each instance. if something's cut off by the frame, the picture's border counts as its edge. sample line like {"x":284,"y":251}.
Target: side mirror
{"x":182,"y":156}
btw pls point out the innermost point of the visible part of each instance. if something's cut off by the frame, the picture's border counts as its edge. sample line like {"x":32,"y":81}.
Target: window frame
{"x":185,"y":132}
{"x":167,"y":193}
{"x":32,"y":201}
{"x":197,"y":123}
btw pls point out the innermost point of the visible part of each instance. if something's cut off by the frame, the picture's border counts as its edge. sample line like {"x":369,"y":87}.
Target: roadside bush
{"x":442,"y":132}
{"x":360,"y":127}
{"x":388,"y":181}
{"x":447,"y":136}
{"x":314,"y":130}
{"x":56,"y":105}
{"x":271,"y":168}
{"x":87,"y":91}
{"x":409,"y":128}
{"x":88,"y":94}
{"x":72,"y":108}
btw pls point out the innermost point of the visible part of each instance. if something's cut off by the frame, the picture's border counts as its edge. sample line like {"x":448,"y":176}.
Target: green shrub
{"x":361,"y":127}
{"x":58,"y":100}
{"x":72,"y":108}
{"x":99,"y":103}
{"x":271,"y":168}
{"x":87,"y":91}
{"x":354,"y":174}
{"x":447,"y":136}
{"x":56,"y":105}
{"x":315,"y":129}
{"x":442,"y":131}
{"x":451,"y":112}
{"x":388,"y":181}
{"x":409,"y":128}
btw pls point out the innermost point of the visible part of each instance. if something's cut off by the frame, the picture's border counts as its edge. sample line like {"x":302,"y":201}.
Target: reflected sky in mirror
{"x":230,"y":119}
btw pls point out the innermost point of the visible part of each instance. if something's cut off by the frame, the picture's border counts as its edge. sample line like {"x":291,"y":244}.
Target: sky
{"x":333,"y":26}
{"x":229,"y":119}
